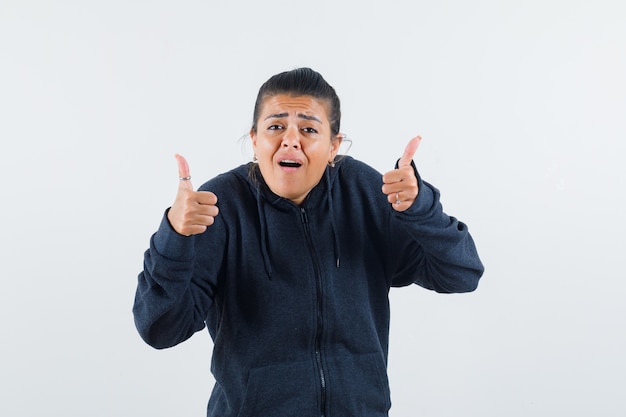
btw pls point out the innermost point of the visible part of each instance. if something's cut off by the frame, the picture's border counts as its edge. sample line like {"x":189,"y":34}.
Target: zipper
{"x":320,"y":323}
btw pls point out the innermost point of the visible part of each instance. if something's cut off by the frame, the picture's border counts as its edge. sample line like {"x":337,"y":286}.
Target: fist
{"x":193,"y":211}
{"x":400,"y":185}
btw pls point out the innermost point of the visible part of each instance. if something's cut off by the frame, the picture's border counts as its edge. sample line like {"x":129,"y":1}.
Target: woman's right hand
{"x":193,"y":211}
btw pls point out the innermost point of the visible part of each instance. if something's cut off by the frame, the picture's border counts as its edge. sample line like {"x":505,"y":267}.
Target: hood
{"x":265,"y":196}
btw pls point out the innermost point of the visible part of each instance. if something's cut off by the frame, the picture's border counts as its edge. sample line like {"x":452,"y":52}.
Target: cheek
{"x":263,"y":146}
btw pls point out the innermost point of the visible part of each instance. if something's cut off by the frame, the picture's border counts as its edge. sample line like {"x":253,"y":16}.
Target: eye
{"x":274,"y":127}
{"x":309,"y":130}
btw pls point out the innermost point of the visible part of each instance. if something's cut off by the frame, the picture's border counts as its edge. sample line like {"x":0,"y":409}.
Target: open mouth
{"x":289,"y":163}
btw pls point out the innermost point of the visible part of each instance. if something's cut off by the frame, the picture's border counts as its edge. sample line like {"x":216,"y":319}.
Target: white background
{"x":522,"y":108}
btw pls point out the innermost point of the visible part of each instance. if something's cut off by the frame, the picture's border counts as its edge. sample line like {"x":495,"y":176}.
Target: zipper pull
{"x":303,"y":216}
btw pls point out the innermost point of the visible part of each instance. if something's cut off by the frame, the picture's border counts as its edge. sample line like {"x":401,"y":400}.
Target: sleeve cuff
{"x":170,"y":244}
{"x":425,"y":196}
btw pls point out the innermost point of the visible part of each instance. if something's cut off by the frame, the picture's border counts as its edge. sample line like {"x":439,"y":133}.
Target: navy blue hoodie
{"x":296,"y":297}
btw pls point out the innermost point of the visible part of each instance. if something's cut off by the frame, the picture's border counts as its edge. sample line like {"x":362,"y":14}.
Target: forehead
{"x":285,"y":103}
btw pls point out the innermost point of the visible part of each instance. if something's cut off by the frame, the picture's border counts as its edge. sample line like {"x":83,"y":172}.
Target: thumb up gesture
{"x":193,"y":211}
{"x":400,"y":185}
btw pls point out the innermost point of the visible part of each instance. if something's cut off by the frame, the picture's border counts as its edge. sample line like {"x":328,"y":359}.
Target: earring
{"x":254,"y":158}
{"x":331,"y":164}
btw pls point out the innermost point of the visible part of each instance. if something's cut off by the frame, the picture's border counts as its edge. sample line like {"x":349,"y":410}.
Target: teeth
{"x":289,"y":163}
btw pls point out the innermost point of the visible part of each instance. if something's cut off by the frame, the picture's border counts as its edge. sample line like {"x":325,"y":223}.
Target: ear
{"x":335,"y":143}
{"x":252,"y":137}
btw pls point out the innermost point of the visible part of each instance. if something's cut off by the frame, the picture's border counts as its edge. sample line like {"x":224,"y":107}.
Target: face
{"x":293,"y":144}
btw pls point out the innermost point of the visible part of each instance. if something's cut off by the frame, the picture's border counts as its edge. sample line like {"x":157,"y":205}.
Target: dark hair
{"x":300,"y":82}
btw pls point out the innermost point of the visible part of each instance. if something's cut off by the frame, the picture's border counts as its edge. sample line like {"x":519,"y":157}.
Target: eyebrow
{"x":300,"y":115}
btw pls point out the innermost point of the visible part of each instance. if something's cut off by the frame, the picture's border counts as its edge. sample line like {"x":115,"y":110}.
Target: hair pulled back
{"x":300,"y":82}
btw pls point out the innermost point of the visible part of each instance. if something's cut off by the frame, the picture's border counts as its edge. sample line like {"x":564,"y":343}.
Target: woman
{"x":291,"y":274}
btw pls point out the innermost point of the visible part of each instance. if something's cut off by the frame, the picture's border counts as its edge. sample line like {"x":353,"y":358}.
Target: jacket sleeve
{"x":432,"y":249}
{"x":173,"y":294}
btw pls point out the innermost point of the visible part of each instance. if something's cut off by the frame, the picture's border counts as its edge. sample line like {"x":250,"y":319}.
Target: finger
{"x":401,"y":206}
{"x":409,"y":152}
{"x":206,"y":198}
{"x":394,"y":198}
{"x":391,"y":187}
{"x":395,"y":176}
{"x":203,"y":219}
{"x":183,"y":173}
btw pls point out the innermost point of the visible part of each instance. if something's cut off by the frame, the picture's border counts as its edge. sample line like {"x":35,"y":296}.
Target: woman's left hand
{"x":400,"y":185}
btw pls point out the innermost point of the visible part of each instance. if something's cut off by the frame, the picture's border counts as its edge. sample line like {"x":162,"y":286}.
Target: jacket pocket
{"x":285,"y":390}
{"x":358,"y":386}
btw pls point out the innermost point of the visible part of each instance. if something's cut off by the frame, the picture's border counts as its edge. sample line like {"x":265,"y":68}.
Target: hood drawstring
{"x":263,"y":223}
{"x":331,"y":213}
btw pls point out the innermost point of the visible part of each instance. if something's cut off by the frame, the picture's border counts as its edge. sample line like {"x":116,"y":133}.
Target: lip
{"x":289,"y":162}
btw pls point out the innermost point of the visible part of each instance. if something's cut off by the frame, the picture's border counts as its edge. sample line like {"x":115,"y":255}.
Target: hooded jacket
{"x":294,"y":297}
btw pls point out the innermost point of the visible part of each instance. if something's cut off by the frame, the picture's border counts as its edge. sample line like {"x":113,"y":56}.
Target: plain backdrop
{"x":522,"y":110}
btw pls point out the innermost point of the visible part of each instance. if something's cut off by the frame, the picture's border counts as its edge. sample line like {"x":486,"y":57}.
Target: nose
{"x":291,"y":138}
